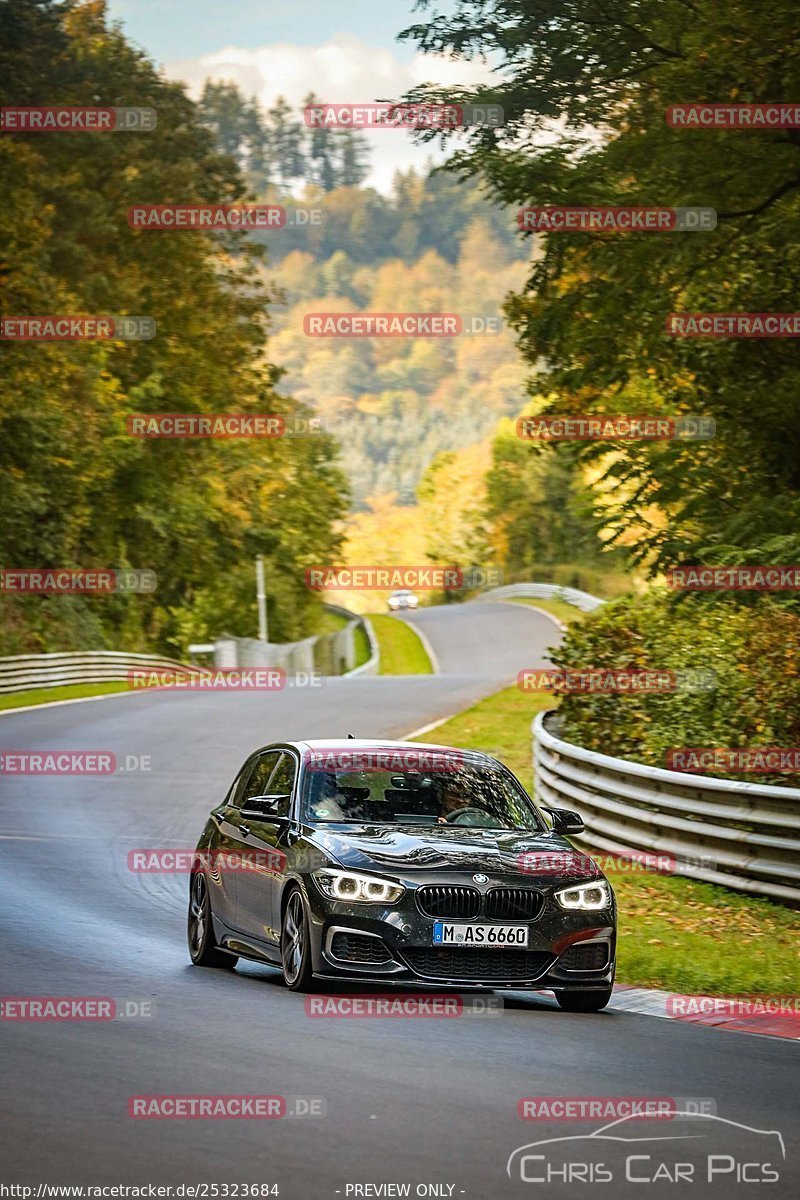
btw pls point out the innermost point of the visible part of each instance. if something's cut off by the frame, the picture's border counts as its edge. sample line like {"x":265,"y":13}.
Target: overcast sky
{"x":343,"y":51}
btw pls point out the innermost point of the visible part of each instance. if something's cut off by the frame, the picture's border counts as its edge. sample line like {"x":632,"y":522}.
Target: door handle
{"x":245,"y":829}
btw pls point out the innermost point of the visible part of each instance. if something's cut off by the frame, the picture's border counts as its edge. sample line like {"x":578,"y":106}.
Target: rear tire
{"x":202,"y":946}
{"x":588,"y":1001}
{"x":296,"y":945}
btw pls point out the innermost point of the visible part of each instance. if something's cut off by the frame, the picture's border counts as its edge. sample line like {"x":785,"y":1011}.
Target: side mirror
{"x":566,"y":821}
{"x":263,"y":806}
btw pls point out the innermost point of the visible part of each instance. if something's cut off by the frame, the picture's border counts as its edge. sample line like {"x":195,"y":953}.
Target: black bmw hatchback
{"x":399,"y":863}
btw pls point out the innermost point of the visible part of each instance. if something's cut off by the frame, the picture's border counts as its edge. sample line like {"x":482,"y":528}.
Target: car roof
{"x":377,"y":746}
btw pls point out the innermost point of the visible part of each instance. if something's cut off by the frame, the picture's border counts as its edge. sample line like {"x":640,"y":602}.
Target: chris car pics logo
{"x":693,"y":1147}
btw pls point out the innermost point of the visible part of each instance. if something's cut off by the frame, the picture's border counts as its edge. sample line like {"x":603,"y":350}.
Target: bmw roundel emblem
{"x":480,"y":878}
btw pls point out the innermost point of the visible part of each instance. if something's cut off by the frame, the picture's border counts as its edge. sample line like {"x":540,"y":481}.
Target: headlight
{"x":588,"y":896}
{"x":362,"y":889}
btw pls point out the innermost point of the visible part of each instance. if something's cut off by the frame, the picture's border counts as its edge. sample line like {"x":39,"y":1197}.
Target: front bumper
{"x":567,"y":949}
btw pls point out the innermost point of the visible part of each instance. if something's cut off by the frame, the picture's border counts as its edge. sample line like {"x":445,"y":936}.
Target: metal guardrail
{"x":740,"y":834}
{"x":347,"y":635}
{"x":327,"y":654}
{"x":543,"y":591}
{"x":24,"y":672}
{"x":373,"y":663}
{"x":323,"y":653}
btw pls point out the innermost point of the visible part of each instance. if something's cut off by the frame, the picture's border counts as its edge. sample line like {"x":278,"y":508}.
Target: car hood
{"x":535,"y":856}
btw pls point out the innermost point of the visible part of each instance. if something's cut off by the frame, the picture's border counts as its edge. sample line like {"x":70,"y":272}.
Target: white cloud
{"x":344,"y":69}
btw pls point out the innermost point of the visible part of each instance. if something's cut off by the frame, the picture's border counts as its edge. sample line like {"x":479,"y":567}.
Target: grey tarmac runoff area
{"x":426,"y":1104}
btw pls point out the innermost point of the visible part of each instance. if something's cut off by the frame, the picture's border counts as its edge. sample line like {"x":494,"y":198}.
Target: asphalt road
{"x":407,"y":1100}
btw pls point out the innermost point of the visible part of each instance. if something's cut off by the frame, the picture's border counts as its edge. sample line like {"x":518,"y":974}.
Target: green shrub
{"x":753,"y":648}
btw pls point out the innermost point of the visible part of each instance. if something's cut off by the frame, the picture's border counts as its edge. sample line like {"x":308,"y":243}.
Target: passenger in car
{"x":325,"y":803}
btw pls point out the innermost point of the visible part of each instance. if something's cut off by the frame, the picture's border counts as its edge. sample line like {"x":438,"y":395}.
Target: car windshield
{"x":471,"y":796}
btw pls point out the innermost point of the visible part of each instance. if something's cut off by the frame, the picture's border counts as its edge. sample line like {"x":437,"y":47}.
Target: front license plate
{"x":487,"y":936}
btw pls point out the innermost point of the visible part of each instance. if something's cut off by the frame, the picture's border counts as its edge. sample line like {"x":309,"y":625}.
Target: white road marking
{"x":427,"y":728}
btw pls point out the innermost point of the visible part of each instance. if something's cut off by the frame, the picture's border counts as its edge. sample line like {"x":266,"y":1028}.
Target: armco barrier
{"x":26,"y":671}
{"x":329,"y":654}
{"x":325,"y":653}
{"x":344,"y":646}
{"x":747,"y":834}
{"x":373,"y":663}
{"x":543,"y":591}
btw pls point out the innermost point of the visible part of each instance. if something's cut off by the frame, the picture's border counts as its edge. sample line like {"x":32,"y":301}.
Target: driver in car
{"x":451,"y":801}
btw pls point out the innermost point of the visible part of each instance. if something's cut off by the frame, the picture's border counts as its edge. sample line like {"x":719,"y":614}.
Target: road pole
{"x":261,"y":597}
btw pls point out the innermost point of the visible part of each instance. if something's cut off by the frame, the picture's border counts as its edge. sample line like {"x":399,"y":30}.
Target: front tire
{"x":202,"y":946}
{"x":588,"y":1001}
{"x":296,"y":945}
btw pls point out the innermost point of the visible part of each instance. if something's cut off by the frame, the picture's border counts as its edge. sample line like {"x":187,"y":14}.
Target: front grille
{"x":513,"y":904}
{"x":489,"y":966}
{"x":464,"y":902}
{"x":591,"y":956}
{"x":357,"y":948}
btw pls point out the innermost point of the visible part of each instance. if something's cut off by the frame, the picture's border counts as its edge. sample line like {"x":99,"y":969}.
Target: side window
{"x":234,"y":796}
{"x":282,"y":783}
{"x":258,"y":781}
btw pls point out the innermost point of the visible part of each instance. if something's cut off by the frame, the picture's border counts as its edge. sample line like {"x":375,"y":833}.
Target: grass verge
{"x":402,"y":652}
{"x":674,"y":933}
{"x":70,"y":691}
{"x":362,"y":647}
